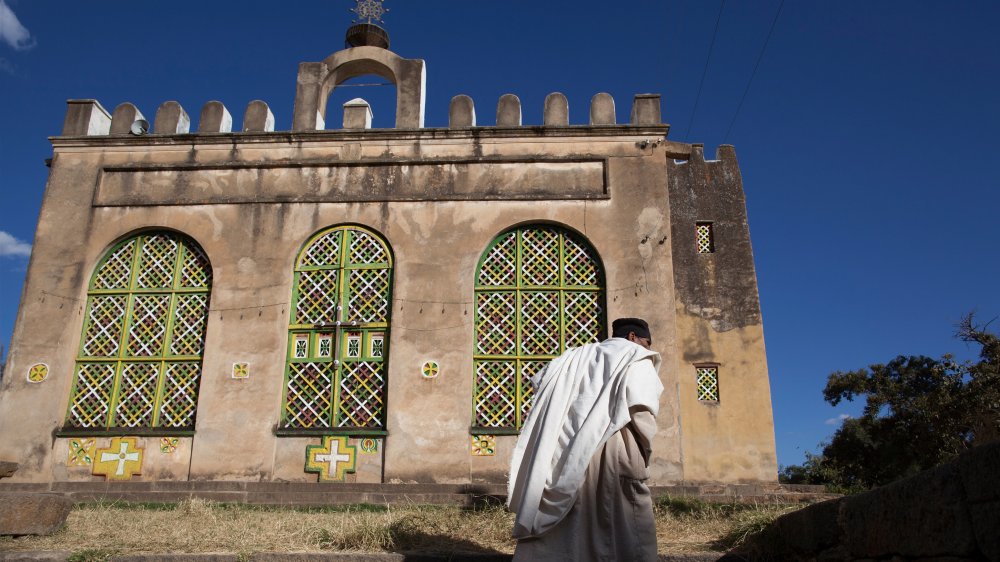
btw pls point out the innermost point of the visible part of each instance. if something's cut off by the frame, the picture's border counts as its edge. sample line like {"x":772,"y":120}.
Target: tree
{"x":919,"y":412}
{"x":3,"y":360}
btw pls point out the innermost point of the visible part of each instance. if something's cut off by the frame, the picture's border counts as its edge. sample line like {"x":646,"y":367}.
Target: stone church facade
{"x":366,"y":305}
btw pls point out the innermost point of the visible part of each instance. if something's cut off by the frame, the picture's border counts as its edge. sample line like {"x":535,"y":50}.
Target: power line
{"x":754,"y":73}
{"x":704,"y":71}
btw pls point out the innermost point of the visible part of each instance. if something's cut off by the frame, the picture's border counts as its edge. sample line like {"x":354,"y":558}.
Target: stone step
{"x":52,"y":556}
{"x":321,"y":494}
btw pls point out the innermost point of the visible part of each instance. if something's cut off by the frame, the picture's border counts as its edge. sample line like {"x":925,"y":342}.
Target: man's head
{"x":635,"y":330}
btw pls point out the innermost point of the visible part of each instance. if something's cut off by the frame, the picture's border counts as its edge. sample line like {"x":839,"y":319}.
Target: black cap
{"x":621,"y":327}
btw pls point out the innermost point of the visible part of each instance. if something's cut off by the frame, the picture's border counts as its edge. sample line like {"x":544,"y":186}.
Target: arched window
{"x":338,"y":337}
{"x":539,"y":290}
{"x":139,"y":363}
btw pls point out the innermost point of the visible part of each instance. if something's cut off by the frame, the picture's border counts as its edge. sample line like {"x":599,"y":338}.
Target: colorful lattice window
{"x":139,"y":362}
{"x":341,"y":300}
{"x":539,"y":290}
{"x":705,"y":238}
{"x":708,"y":383}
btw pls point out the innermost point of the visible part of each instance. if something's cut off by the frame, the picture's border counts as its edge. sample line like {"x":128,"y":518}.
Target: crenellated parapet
{"x":86,"y":117}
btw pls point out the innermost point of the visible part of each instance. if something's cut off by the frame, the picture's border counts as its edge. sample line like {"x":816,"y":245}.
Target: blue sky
{"x":867,"y":140}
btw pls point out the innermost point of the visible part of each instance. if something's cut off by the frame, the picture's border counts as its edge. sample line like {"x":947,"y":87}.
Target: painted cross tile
{"x":484,"y":445}
{"x":332,"y":459}
{"x":81,"y":452}
{"x":241,"y":370}
{"x":119,"y":461}
{"x":169,"y":444}
{"x":38,"y":373}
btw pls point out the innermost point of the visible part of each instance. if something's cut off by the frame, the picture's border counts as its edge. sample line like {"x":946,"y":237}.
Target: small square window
{"x":705,"y":237}
{"x":708,"y":383}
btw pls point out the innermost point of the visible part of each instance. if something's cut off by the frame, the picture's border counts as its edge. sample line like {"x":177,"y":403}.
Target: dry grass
{"x":96,"y":530}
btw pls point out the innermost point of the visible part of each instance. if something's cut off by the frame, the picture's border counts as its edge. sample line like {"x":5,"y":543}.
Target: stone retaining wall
{"x":951,"y":512}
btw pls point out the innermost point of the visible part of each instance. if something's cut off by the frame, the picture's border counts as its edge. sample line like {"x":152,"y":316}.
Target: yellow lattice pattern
{"x":116,"y":271}
{"x":141,"y":287}
{"x":180,"y":394}
{"x":92,"y":395}
{"x":703,"y":231}
{"x":540,"y":257}
{"x":136,"y":394}
{"x":496,"y":329}
{"x":539,"y":291}
{"x":708,"y":383}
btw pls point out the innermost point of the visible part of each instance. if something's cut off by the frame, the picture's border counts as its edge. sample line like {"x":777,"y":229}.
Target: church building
{"x":215,"y":301}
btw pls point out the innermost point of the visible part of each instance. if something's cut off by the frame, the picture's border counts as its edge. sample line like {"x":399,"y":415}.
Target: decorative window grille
{"x":539,"y":290}
{"x":140,"y":356}
{"x":705,"y":237}
{"x":341,"y":302}
{"x":708,"y":383}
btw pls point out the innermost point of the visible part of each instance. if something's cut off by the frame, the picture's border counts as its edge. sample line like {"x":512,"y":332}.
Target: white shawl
{"x":581,"y":399}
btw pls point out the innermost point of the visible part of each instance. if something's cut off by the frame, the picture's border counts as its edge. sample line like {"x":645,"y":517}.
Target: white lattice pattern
{"x":92,"y":395}
{"x":706,"y":244}
{"x":540,"y":323}
{"x":317,"y":299}
{"x":308,"y":395}
{"x":528,"y":370}
{"x":496,"y":387}
{"x":500,"y":266}
{"x":540,"y":257}
{"x":190,"y":317}
{"x":324,"y":251}
{"x":708,"y":383}
{"x":582,"y":317}
{"x":116,"y":271}
{"x":580,"y":267}
{"x":136,"y":394}
{"x":195,"y":269}
{"x":344,"y":279}
{"x":168,"y":286}
{"x":366,"y":249}
{"x":106,"y":315}
{"x":157,"y":261}
{"x":149,"y":325}
{"x":496,"y":328}
{"x":369,"y":300}
{"x":180,"y":394}
{"x":539,"y":291}
{"x":361,"y":395}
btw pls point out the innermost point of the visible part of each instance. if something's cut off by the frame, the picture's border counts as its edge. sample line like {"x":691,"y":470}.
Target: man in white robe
{"x":578,"y":470}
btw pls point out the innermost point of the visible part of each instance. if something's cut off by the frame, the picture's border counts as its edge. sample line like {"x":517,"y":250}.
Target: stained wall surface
{"x":438,"y":197}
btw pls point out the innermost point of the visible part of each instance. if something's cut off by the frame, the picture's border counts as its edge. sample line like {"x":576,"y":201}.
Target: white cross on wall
{"x":122,"y":456}
{"x":334,"y":458}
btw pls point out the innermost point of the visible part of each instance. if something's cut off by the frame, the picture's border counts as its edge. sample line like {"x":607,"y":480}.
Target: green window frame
{"x":138,"y":367}
{"x":539,"y":291}
{"x":338,"y":335}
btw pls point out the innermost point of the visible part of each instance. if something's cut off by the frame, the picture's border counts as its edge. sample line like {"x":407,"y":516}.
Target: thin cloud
{"x":6,"y":66}
{"x":10,"y":246}
{"x":838,"y":419}
{"x":11,"y":30}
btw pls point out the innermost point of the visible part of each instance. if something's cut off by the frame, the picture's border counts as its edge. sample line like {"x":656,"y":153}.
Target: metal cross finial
{"x":370,"y":10}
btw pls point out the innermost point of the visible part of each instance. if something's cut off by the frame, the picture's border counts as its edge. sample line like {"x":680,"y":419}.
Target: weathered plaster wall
{"x":719,"y":322}
{"x":252,"y":236}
